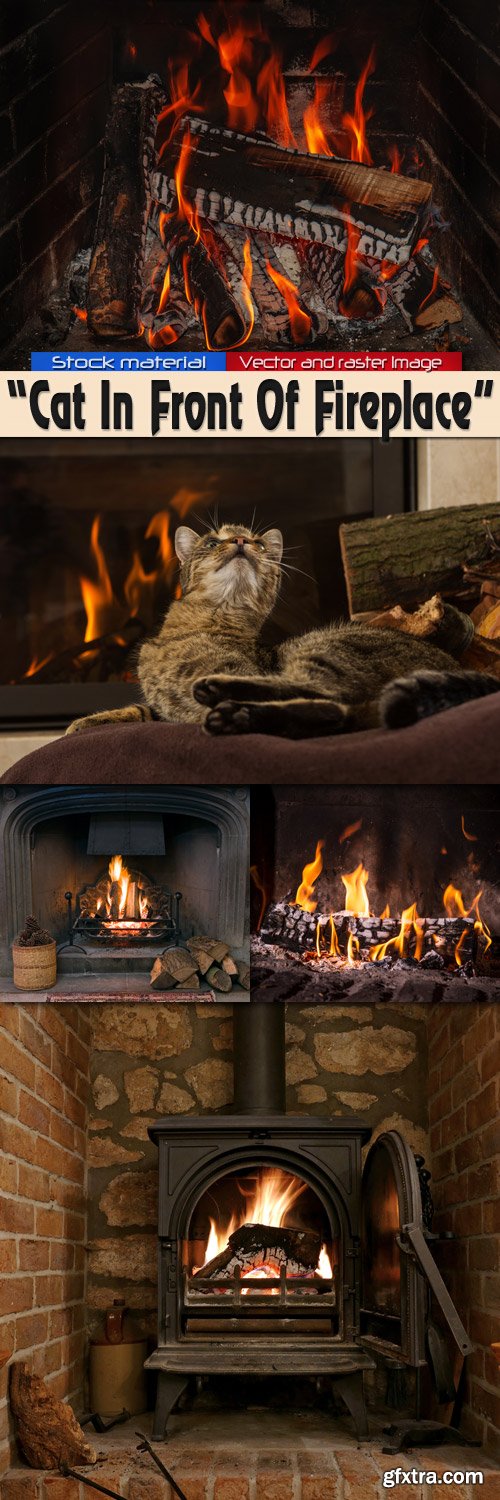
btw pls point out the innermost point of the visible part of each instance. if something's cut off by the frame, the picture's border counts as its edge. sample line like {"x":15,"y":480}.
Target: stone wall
{"x":44,"y":1063}
{"x":464,"y":1098}
{"x":155,"y":1061}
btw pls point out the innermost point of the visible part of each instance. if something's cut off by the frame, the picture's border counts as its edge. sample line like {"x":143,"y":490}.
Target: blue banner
{"x":128,"y":363}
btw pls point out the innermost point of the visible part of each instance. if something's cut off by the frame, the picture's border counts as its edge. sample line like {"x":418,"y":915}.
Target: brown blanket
{"x":460,"y":746}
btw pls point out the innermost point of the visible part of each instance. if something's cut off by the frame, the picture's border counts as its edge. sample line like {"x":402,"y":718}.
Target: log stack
{"x":201,"y":958}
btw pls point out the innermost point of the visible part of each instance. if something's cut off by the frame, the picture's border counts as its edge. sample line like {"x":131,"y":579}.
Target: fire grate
{"x":123,"y":907}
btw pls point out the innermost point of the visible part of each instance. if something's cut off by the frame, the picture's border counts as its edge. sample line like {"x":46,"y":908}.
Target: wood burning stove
{"x":395,"y":894}
{"x":331,"y":1278}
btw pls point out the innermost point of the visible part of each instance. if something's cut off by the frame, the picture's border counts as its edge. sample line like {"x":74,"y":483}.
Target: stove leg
{"x":350,"y":1387}
{"x":168,"y":1390}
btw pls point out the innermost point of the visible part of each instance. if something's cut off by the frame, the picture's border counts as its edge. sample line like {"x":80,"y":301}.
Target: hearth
{"x":100,"y":570}
{"x":397,"y":899}
{"x":279,"y":1252}
{"x":182,"y":872}
{"x":276,"y":184}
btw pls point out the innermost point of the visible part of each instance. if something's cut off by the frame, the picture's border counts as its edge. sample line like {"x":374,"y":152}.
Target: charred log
{"x":115,"y":277}
{"x":254,"y":1244}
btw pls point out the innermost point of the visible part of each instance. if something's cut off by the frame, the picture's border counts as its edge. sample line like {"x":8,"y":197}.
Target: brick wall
{"x":44,"y":1062}
{"x":459,"y":93}
{"x":54,"y":81}
{"x":464,"y":1087}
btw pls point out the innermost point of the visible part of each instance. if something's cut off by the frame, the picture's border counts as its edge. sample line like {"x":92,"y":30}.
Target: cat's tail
{"x":408,"y":699}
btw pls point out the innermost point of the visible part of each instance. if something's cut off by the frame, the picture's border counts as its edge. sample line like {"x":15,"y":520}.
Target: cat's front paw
{"x":209,"y":690}
{"x":229,"y":718}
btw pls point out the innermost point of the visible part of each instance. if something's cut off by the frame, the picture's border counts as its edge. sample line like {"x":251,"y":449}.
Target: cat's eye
{"x":261,"y":546}
{"x":212,"y":542}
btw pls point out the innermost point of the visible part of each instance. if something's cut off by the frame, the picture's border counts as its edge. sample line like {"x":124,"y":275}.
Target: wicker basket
{"x":35,"y":968}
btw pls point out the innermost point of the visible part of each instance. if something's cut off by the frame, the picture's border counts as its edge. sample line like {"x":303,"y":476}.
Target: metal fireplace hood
{"x":126,"y":833}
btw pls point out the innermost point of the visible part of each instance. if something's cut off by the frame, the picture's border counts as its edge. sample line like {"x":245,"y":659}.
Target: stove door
{"x":393,"y":1294}
{"x":398,"y":1271}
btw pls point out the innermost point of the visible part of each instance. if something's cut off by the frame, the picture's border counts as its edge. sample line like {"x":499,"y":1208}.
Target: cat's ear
{"x":273,"y":542}
{"x":185,"y":542}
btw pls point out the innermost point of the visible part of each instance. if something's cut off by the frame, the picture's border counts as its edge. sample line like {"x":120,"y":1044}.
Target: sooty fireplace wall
{"x":278,"y":1254}
{"x":186,"y":851}
{"x":430,"y":103}
{"x":374,"y":893}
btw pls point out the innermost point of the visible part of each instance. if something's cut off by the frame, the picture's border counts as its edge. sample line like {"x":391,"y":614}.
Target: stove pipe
{"x":259,"y":1059}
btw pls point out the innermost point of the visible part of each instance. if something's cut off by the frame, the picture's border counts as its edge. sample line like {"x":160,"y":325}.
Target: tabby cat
{"x":336,"y":678}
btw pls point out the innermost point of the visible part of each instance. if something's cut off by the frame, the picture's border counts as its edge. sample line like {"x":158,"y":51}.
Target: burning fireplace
{"x":279,"y":1253}
{"x":397,"y":899}
{"x":100,"y":570}
{"x":267,"y":181}
{"x":182,"y":870}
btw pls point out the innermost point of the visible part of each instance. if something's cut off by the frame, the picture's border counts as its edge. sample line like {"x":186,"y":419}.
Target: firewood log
{"x":47,"y":1430}
{"x":404,"y":559}
{"x":193,"y":983}
{"x":423,"y":295}
{"x":217,"y":949}
{"x":199,"y":952}
{"x":244,"y":975}
{"x":179,"y":963}
{"x":235,"y":178}
{"x":115,"y":276}
{"x":161,"y":978}
{"x":218,"y":980}
{"x":251,"y":1245}
{"x":229,"y":966}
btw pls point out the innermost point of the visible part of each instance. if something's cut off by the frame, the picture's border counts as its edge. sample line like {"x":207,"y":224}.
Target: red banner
{"x":427,"y":362}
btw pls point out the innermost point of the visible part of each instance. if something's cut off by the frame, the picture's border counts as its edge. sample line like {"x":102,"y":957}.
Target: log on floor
{"x":47,"y":1430}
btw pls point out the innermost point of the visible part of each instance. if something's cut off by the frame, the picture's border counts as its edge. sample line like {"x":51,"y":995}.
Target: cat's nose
{"x":240,"y":542}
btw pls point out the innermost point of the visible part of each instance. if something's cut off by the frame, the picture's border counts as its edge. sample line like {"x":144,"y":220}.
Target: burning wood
{"x":115,"y":277}
{"x":233,"y":178}
{"x":344,"y":937}
{"x":255,"y":1245}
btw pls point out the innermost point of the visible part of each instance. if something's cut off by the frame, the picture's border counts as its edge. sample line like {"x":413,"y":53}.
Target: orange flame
{"x":356,"y":898}
{"x":410,"y":920}
{"x":355,"y":124}
{"x":315,"y":132}
{"x":300,"y":321}
{"x":435,"y":281}
{"x":98,"y":598}
{"x":309,"y":876}
{"x":352,"y":950}
{"x":36,"y":664}
{"x":350,"y":267}
{"x":351,"y":828}
{"x":395,"y":159}
{"x":385,"y":913}
{"x":472,"y":837}
{"x":81,"y":313}
{"x":458,"y":948}
{"x":120,"y":876}
{"x":334,"y":942}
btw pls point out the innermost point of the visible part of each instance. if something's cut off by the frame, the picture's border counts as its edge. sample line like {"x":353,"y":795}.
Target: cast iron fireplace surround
{"x":375,"y":1226}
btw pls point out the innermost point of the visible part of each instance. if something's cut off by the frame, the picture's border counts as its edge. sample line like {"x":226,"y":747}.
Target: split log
{"x":234,"y":177}
{"x":403,"y":559}
{"x":115,"y":276}
{"x":203,"y":959}
{"x":179,"y":963}
{"x":47,"y":1430}
{"x":250,"y":1246}
{"x":219,"y":980}
{"x":193,"y":983}
{"x":244,"y":975}
{"x":217,"y":949}
{"x":161,"y":978}
{"x":229,"y":966}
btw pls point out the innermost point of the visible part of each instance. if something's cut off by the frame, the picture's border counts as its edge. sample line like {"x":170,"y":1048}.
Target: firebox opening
{"x":260,"y":1246}
{"x":395,"y":888}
